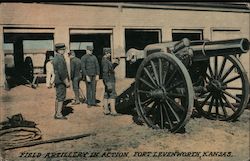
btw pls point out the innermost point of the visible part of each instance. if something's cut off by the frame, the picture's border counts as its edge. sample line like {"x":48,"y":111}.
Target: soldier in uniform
{"x":90,"y":70}
{"x":61,"y":79}
{"x":109,"y":82}
{"x":75,"y":75}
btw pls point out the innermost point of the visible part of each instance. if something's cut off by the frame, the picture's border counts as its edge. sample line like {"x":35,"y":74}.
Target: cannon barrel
{"x":220,"y":48}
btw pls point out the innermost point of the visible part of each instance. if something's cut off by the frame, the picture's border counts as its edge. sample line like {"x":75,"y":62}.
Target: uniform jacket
{"x":108,"y":73}
{"x":90,"y":65}
{"x":75,"y":66}
{"x":60,"y":68}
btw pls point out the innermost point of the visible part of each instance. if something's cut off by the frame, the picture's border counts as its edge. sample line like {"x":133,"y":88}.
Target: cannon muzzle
{"x":220,"y":48}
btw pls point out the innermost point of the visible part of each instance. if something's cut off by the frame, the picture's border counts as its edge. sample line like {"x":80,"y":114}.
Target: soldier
{"x":109,"y":82}
{"x":75,"y":75}
{"x":90,"y":70}
{"x":61,"y":79}
{"x":50,"y":75}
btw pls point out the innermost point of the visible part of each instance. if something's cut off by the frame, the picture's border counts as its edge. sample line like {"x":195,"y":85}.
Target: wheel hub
{"x":215,"y":86}
{"x":158,"y":93}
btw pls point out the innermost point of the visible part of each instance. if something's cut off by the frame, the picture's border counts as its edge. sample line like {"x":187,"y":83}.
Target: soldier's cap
{"x":60,"y":46}
{"x":51,"y":57}
{"x":106,"y":50}
{"x":90,"y":48}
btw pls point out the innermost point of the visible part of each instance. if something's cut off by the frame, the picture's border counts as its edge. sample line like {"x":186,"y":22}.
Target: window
{"x":191,"y":34}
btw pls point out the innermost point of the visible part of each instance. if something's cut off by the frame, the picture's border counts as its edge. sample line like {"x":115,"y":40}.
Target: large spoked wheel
{"x":164,"y":93}
{"x":227,"y":90}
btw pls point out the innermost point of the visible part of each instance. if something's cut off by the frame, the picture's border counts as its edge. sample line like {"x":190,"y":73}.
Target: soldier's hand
{"x":117,"y":61}
{"x":66,"y":82}
{"x":97,"y":77}
{"x":88,"y":78}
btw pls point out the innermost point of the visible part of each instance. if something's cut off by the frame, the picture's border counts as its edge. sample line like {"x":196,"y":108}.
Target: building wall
{"x":65,"y":17}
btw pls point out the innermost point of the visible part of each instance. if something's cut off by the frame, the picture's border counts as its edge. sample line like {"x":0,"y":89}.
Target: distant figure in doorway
{"x":75,"y":75}
{"x":61,"y":79}
{"x":91,"y":71}
{"x":50,"y":75}
{"x":109,"y":82}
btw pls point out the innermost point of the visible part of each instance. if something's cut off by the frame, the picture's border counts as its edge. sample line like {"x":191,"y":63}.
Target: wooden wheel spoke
{"x":147,"y":102}
{"x":210,"y":71}
{"x":234,"y":88}
{"x":223,"y":108}
{"x":202,"y":94}
{"x":149,"y":75}
{"x":211,"y":105}
{"x":227,"y":73}
{"x":216,"y":66}
{"x":148,"y":110}
{"x":206,"y":99}
{"x":222,"y":66}
{"x":147,"y":83}
{"x":175,"y":85}
{"x":168,"y":118}
{"x":175,"y":95}
{"x":232,"y":79}
{"x":228,"y":103}
{"x":155,"y":72}
{"x":165,"y":74}
{"x":173,"y":111}
{"x":217,"y":108}
{"x":171,"y":77}
{"x":160,"y":71}
{"x":178,"y":106}
{"x":232,"y":96}
{"x":209,"y":78}
{"x":162,"y":119}
{"x":145,"y":92}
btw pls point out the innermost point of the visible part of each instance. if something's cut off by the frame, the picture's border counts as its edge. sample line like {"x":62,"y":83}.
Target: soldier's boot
{"x":58,"y":114}
{"x":112,"y":107}
{"x":56,"y":108}
{"x":106,"y":110}
{"x":77,"y":98}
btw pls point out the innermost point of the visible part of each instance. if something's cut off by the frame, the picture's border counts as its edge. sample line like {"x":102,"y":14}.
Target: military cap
{"x":90,"y":48}
{"x":60,"y":46}
{"x":106,"y":50}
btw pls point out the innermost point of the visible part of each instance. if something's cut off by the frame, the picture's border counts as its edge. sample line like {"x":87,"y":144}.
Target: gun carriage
{"x":174,"y":77}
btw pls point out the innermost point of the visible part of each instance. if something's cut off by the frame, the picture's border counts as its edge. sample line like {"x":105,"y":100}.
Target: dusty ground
{"x":119,"y":134}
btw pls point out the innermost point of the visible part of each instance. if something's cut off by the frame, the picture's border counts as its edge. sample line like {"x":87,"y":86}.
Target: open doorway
{"x":139,"y":39}
{"x":26,"y":51}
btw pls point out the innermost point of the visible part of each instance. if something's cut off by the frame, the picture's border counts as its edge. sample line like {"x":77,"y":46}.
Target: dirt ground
{"x":119,"y":138}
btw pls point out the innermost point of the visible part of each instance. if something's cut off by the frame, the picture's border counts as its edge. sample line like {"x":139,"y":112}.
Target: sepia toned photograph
{"x":124,"y":81}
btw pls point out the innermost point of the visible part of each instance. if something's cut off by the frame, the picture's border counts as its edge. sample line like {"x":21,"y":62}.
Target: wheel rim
{"x":163,"y":92}
{"x":224,"y":84}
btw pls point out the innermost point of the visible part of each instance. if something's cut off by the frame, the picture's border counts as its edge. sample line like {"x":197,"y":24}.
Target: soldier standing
{"x":90,"y":70}
{"x":75,"y":75}
{"x":61,"y":79}
{"x":109,"y":82}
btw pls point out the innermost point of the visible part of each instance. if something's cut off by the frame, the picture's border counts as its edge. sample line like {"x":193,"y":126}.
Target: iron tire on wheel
{"x":164,"y":93}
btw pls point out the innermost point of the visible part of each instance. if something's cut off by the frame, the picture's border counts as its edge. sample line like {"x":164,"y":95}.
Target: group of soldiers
{"x":86,"y":69}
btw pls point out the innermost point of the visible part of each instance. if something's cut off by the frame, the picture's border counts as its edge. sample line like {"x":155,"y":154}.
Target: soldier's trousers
{"x":91,"y":90}
{"x":60,"y":92}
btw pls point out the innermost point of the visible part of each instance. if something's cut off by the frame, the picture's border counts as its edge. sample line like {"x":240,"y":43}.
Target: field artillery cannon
{"x":174,"y":77}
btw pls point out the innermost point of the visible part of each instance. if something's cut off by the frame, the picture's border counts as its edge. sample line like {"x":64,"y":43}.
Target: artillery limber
{"x":174,"y":77}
